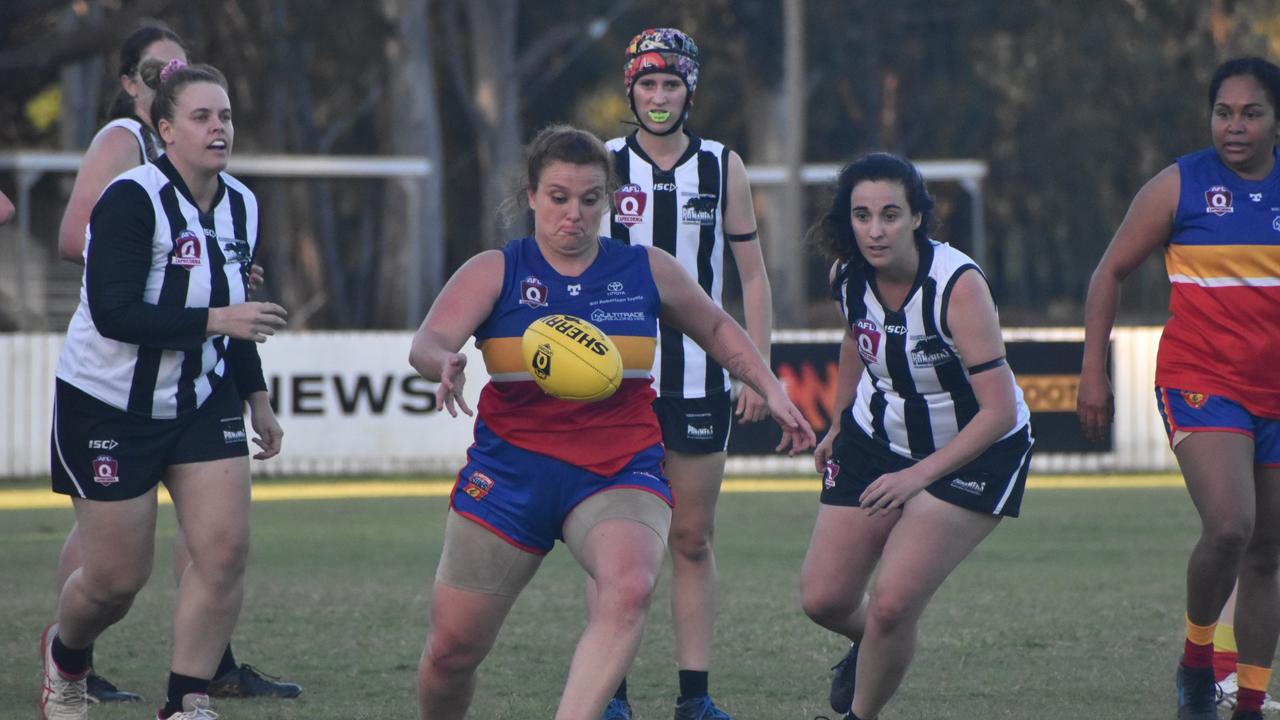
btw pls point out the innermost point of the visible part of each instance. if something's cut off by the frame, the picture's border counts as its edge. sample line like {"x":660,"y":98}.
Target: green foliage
{"x":1073,"y":610}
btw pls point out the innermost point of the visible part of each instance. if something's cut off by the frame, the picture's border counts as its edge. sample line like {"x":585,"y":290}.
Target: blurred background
{"x":1055,"y":113}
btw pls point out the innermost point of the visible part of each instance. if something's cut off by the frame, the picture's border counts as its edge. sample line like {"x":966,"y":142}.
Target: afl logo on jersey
{"x":628,"y":205}
{"x":1218,"y":200}
{"x":532,"y":292}
{"x":186,"y":250}
{"x":867,"y":335}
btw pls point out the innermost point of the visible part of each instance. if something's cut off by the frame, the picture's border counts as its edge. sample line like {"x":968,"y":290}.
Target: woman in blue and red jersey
{"x":543,"y":469}
{"x":1216,"y":215}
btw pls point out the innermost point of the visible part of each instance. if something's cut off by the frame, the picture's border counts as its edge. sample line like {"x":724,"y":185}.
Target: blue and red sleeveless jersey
{"x":1223,"y":260}
{"x":616,"y":294}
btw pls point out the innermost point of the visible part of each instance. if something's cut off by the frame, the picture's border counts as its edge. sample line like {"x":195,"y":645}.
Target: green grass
{"x":1074,"y":610}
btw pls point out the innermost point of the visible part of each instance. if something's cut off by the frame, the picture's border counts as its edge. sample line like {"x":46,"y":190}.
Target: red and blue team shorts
{"x":1188,"y":411}
{"x":524,"y":497}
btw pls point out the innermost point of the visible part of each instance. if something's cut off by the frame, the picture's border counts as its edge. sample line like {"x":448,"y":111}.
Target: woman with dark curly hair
{"x":928,"y":403}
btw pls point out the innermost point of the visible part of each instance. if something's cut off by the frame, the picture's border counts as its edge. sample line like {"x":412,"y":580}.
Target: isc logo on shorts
{"x":106,"y":470}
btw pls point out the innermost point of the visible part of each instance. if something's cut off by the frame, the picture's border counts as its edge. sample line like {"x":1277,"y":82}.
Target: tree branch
{"x":87,"y":41}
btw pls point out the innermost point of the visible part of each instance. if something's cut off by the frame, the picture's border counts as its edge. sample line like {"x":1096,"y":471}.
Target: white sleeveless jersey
{"x":147,"y":150}
{"x":682,"y":212}
{"x":915,"y":395}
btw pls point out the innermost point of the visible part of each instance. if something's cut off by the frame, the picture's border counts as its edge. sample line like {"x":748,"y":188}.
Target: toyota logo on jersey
{"x":186,"y":250}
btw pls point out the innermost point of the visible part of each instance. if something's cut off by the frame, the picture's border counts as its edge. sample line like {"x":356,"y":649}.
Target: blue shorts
{"x":1189,"y":411}
{"x":524,"y":497}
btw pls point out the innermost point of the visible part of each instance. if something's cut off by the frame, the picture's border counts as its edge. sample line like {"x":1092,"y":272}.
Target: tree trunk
{"x":495,"y":94}
{"x":787,"y":273}
{"x":413,"y":271}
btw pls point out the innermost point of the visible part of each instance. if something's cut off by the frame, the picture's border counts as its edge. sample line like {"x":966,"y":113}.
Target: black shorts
{"x":991,"y":483}
{"x":100,"y":452}
{"x":695,"y":425}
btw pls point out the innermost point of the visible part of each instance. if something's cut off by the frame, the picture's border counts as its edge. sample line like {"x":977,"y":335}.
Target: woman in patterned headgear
{"x":689,"y":196}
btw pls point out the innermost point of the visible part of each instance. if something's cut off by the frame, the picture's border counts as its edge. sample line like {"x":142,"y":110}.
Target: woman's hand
{"x":256,"y":277}
{"x":751,"y":407}
{"x":452,"y":380}
{"x":254,"y":321}
{"x":822,"y":453}
{"x":891,"y":491}
{"x":1095,"y":405}
{"x":262,"y":417}
{"x":797,"y":434}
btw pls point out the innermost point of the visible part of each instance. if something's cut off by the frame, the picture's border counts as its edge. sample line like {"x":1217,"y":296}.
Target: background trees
{"x":1072,"y":105}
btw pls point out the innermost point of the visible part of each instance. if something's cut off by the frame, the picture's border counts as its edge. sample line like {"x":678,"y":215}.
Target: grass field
{"x":1072,"y":611}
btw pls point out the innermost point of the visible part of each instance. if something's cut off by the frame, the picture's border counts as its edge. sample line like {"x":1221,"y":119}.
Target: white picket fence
{"x":350,"y":404}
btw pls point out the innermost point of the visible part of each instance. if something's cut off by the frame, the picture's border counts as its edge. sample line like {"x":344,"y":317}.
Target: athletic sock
{"x":71,"y":662}
{"x":1197,"y":651}
{"x":621,"y":692}
{"x":227,"y":664}
{"x":1225,"y":654}
{"x":1253,"y":687}
{"x":181,"y":686}
{"x":693,"y":683}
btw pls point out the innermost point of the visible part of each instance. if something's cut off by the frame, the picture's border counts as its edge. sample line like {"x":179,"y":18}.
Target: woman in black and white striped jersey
{"x":125,"y":142}
{"x":144,"y":395}
{"x":927,"y":403}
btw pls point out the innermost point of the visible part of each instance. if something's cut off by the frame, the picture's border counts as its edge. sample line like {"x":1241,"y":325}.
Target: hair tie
{"x":172,"y":67}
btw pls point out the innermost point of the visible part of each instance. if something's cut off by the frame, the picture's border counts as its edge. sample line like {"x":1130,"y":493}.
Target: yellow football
{"x":571,"y":359}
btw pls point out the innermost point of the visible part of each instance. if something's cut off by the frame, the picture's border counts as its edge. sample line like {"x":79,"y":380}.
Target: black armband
{"x":989,"y":365}
{"x":741,"y":237}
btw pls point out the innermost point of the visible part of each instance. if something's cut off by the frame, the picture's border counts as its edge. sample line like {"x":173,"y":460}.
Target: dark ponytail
{"x":130,"y":59}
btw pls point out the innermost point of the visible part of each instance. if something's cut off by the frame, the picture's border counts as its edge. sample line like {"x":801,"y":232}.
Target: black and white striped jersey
{"x":680,"y":211}
{"x":915,"y":395}
{"x":154,"y":265}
